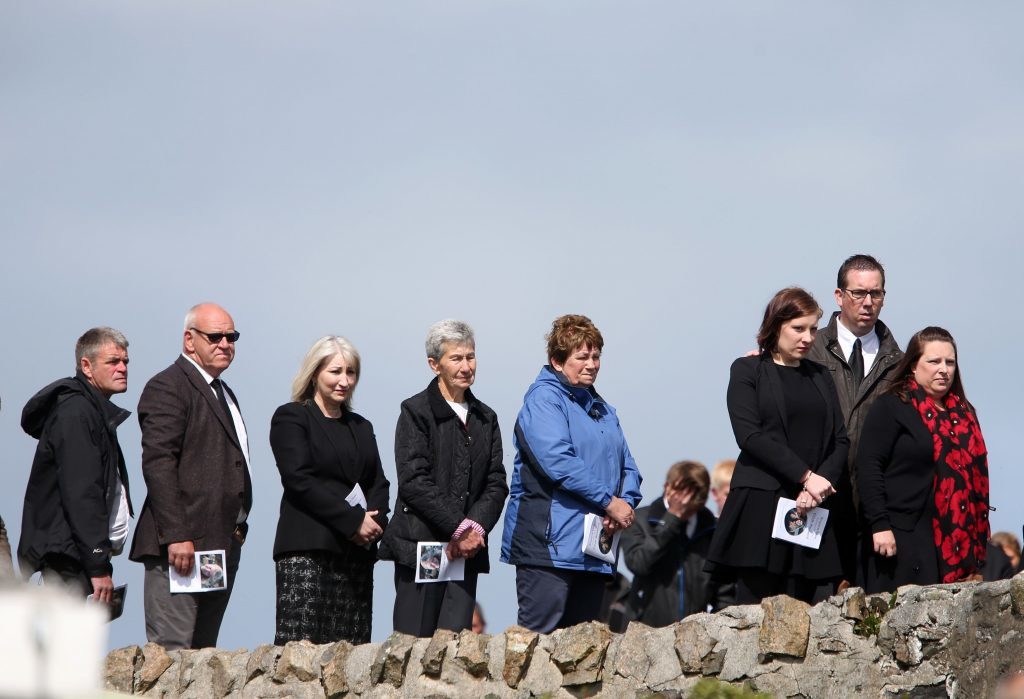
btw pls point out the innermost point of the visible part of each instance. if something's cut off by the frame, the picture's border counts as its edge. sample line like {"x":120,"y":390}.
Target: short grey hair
{"x":95,"y":339}
{"x":447,"y":331}
{"x":304,"y":385}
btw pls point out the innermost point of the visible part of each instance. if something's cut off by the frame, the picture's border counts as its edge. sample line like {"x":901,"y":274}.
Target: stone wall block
{"x":227,"y":670}
{"x":299,"y":661}
{"x":392,"y":658}
{"x":785,"y":629}
{"x":262,"y":661}
{"x":1017,"y":594}
{"x":579,"y":652}
{"x":155,"y":662}
{"x":433,"y":656}
{"x":471,"y":653}
{"x":631,"y":659}
{"x":332,"y":662}
{"x":359,"y":667}
{"x":119,"y":669}
{"x":695,"y":648}
{"x":520,"y":644}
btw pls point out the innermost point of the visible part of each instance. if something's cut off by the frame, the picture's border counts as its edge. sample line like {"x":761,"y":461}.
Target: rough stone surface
{"x":433,"y":656}
{"x":392,"y":659}
{"x":519,"y":646}
{"x":472,"y":653}
{"x":155,"y":662}
{"x":695,"y":648}
{"x":119,"y":669}
{"x":579,"y":652}
{"x":949,"y":641}
{"x":332,"y":669}
{"x":300,"y":660}
{"x":785,"y":629}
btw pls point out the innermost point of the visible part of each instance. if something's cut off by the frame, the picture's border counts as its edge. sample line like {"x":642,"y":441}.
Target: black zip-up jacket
{"x":72,"y":488}
{"x":669,"y":581}
{"x":447,"y":472}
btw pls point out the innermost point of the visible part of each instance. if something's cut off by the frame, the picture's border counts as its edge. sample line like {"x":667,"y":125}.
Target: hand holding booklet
{"x":433,"y":565}
{"x":209,"y":574}
{"x":597,"y":541}
{"x":803,"y":530}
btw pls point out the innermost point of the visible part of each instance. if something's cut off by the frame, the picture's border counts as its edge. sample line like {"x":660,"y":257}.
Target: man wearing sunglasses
{"x":861,"y":353}
{"x":195,"y":459}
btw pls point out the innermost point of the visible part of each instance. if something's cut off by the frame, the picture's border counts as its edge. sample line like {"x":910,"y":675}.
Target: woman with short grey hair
{"x":451,"y":485}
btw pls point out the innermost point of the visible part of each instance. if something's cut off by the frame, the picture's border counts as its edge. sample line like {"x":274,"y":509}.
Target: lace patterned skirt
{"x":324,"y":597}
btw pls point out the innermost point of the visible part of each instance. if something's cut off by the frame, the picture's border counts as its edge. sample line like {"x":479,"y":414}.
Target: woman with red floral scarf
{"x":922,"y":470}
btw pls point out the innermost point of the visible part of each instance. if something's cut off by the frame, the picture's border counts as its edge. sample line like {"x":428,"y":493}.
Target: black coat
{"x":318,"y":473}
{"x":895,"y":476}
{"x":447,"y":472}
{"x":666,"y":564}
{"x":73,"y":485}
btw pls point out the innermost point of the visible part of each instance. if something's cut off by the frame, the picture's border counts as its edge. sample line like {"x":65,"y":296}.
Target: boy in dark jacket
{"x":666,"y":549}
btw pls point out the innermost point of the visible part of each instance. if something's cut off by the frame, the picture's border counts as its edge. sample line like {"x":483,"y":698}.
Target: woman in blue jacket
{"x":571,"y":459}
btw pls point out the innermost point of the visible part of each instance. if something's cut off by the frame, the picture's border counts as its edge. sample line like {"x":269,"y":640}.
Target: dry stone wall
{"x":924,"y":642}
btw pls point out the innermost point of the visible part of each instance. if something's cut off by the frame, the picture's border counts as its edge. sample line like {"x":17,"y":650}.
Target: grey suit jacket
{"x":192,"y":462}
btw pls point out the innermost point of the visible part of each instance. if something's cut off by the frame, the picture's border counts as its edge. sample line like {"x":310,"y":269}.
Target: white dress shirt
{"x":868,"y":345}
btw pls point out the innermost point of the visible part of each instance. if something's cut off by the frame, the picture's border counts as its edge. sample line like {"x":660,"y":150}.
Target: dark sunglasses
{"x":215,"y":338}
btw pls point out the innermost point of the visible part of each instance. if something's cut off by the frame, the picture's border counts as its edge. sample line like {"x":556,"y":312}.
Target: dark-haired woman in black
{"x":793,"y":444}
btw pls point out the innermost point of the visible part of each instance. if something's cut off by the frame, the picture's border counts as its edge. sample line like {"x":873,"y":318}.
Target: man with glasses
{"x":195,"y":459}
{"x":861,"y":353}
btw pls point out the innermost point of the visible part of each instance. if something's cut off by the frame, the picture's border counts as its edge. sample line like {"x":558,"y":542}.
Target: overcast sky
{"x":366,"y":169}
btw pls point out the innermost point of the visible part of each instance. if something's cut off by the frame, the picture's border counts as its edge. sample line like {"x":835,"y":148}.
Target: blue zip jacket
{"x":571,"y":458}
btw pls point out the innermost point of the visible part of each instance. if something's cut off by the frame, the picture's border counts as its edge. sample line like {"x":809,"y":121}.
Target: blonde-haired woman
{"x":326,"y":545}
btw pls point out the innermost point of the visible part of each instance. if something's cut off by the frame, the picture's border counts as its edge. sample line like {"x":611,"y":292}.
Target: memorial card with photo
{"x":803,"y":530}
{"x":209,"y":574}
{"x":598,"y":541}
{"x":432,"y":564}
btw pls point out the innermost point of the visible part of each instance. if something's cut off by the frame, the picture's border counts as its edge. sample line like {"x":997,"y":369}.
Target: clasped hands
{"x":618,"y":515}
{"x":816,"y":489}
{"x":369,"y":531}
{"x":467,"y":545}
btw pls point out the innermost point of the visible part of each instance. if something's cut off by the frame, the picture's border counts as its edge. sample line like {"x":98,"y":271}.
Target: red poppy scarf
{"x":960,"y":523}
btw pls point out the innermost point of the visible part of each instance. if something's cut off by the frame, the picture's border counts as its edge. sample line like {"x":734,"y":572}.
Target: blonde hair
{"x":721,"y":474}
{"x":304,"y":385}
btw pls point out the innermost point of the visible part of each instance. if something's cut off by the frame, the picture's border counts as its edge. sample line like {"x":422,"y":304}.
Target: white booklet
{"x":598,"y":542}
{"x":356,"y":497}
{"x":803,"y":531}
{"x":209,"y":574}
{"x":432,"y":564}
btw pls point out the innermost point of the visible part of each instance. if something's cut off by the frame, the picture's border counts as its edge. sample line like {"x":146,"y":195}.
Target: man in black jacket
{"x":666,"y":549}
{"x":76,"y":504}
{"x":860,"y":353}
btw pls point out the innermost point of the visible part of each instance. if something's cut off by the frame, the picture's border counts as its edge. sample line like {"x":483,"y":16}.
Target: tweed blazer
{"x":192,"y":462}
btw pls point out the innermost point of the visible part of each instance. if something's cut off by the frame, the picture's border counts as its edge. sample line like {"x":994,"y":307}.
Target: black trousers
{"x":423,"y":608}
{"x":754,"y":584}
{"x":557,"y":598}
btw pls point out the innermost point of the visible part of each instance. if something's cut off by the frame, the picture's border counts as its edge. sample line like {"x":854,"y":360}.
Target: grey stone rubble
{"x":941,"y":641}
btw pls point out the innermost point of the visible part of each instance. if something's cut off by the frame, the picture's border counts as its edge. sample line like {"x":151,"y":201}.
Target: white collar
{"x":868,"y":341}
{"x":202,"y":372}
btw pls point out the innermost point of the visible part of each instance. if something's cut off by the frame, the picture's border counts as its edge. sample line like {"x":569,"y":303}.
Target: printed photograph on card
{"x":433,"y":565}
{"x":800,"y":529}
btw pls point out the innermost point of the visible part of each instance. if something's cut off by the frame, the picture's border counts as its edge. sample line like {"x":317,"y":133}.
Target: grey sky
{"x":368,"y":168}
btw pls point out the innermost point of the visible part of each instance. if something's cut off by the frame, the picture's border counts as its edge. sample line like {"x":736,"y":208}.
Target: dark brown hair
{"x":690,"y":474}
{"x":860,"y":263}
{"x":904,"y":371}
{"x":787,"y":304}
{"x":569,"y":333}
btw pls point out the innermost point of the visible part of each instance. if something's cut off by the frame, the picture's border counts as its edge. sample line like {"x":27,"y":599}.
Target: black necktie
{"x":857,"y":364}
{"x":218,"y":388}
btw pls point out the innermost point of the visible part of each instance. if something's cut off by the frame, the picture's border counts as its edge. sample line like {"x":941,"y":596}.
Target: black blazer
{"x":757,"y":409}
{"x":318,"y":473}
{"x":895,"y":466}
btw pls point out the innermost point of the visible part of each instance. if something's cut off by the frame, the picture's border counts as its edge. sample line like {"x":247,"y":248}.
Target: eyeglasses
{"x":859,"y":294}
{"x":215,"y":338}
